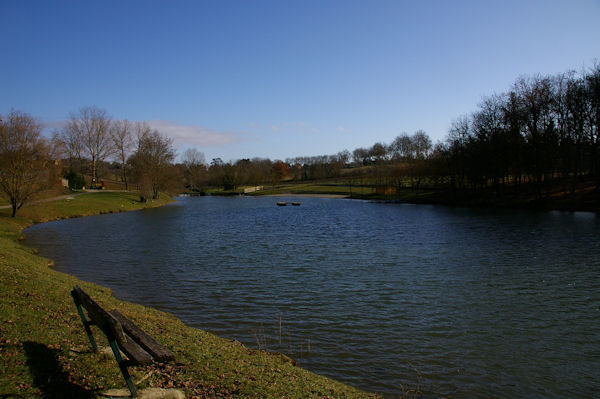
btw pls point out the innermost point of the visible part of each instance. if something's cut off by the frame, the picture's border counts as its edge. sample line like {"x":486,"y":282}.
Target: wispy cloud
{"x":182,"y":135}
{"x":340,"y":129}
{"x":191,"y":135}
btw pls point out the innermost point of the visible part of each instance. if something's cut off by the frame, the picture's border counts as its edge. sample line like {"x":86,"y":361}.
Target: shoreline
{"x":203,"y":359}
{"x":338,"y":196}
{"x":584,"y":198}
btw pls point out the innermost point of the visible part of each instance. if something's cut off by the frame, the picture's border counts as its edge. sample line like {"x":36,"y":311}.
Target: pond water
{"x":385,"y":297}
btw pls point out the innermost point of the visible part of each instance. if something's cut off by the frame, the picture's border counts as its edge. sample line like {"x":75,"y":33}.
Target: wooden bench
{"x":122,"y":334}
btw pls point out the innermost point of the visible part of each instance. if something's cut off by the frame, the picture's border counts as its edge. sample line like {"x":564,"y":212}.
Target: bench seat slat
{"x":135,"y":353}
{"x":148,"y":343}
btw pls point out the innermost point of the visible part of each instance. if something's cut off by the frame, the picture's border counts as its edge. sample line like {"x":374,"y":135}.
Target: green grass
{"x":39,"y":326}
{"x":220,"y":191}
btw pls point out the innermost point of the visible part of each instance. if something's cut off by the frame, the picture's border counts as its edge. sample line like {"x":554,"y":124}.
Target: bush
{"x":76,"y":180}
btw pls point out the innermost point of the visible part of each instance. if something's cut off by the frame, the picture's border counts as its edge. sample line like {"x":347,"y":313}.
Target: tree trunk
{"x":123,"y":165}
{"x":94,"y":180}
{"x":124,"y":175}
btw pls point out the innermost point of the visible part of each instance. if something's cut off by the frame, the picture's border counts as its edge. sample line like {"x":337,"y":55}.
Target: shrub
{"x":76,"y":181}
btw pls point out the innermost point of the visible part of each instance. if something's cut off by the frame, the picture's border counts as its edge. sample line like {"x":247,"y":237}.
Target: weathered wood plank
{"x":99,"y":316}
{"x":135,"y":353}
{"x":147,"y":342}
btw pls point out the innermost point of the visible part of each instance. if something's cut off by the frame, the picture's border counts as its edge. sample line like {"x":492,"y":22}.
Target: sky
{"x":279,"y":79}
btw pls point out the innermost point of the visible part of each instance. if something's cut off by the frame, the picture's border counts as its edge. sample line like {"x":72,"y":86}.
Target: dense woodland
{"x":541,"y":134}
{"x":545,"y":128}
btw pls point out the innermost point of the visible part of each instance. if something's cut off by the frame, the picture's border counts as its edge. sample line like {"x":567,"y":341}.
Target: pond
{"x":449,"y":301}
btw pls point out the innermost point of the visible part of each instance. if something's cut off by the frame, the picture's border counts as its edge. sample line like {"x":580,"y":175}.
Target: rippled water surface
{"x":458,"y":302}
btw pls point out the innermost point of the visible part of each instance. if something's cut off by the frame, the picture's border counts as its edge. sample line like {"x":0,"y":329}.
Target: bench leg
{"x":86,"y":325}
{"x":122,"y":367}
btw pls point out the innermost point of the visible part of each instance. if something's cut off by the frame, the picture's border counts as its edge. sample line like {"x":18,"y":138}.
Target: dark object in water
{"x":296,"y":203}
{"x":282,"y":203}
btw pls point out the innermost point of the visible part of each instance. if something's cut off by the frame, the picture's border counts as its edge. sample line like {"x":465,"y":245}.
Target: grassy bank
{"x":584,"y":198}
{"x":299,"y":189}
{"x":39,"y":329}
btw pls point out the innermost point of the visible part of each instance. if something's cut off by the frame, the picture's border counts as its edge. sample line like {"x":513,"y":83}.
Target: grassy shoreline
{"x":39,"y":329}
{"x":585,"y":199}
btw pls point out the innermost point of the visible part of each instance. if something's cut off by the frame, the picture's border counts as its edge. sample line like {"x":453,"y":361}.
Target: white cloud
{"x":340,"y":129}
{"x":191,"y":135}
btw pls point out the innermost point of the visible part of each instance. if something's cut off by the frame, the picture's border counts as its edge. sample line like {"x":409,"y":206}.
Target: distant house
{"x":64,"y":182}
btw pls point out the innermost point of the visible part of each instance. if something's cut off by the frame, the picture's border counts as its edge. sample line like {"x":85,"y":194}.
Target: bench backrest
{"x":104,"y":320}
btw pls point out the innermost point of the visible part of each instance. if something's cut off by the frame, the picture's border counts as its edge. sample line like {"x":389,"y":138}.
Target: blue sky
{"x":278,"y":79}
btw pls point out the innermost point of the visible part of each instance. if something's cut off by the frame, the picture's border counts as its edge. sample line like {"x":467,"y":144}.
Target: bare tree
{"x":457,"y":143}
{"x":360,"y":156}
{"x":343,"y":157}
{"x":91,"y":127}
{"x":192,"y":157}
{"x":195,"y":169}
{"x":592,"y":79}
{"x":141,"y":130}
{"x":122,"y":139}
{"x":536,"y":98}
{"x":379,"y":152}
{"x":152,"y":163}
{"x":70,"y":142}
{"x":402,"y":147}
{"x":23,"y":161}
{"x":422,"y":144}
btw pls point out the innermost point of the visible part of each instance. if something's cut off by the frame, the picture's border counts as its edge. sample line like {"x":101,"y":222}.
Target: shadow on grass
{"x":48,"y":375}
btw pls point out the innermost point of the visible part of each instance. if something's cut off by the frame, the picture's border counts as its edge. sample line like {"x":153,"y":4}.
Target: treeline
{"x":93,"y":149}
{"x":140,"y":154}
{"x":542,"y":132}
{"x":229,"y":175}
{"x":30,"y":162}
{"x":95,"y":145}
{"x":544,"y":128}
